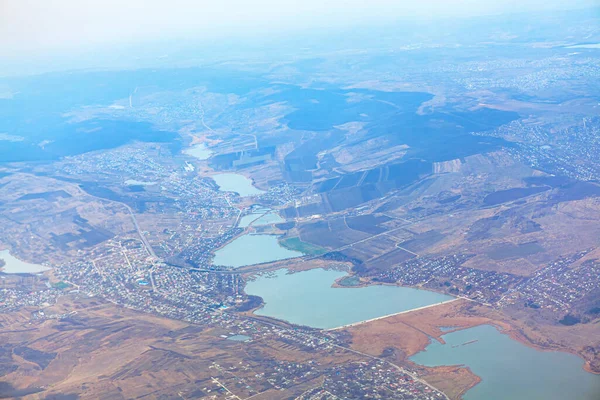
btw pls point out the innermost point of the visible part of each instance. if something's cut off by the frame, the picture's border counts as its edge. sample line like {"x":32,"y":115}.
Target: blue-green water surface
{"x":307,"y":298}
{"x":510,"y":370}
{"x":237,"y":183}
{"x":252,"y":249}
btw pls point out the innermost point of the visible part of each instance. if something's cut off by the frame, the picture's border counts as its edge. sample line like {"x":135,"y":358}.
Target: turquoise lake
{"x":237,"y":183}
{"x":307,"y":298}
{"x":252,"y":249}
{"x":239,"y":338}
{"x":510,"y":370}
{"x":15,"y":266}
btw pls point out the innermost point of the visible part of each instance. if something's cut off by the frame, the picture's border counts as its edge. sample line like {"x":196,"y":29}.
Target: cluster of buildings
{"x":571,"y":151}
{"x":368,"y":378}
{"x":127,"y":275}
{"x":124,"y":162}
{"x":446,"y":274}
{"x":279,"y":194}
{"x":15,"y":297}
{"x":198,"y":198}
{"x":198,"y":251}
{"x":123,"y":272}
{"x":419,"y":271}
{"x":375,"y":379}
{"x":558,"y":286}
{"x":527,"y":75}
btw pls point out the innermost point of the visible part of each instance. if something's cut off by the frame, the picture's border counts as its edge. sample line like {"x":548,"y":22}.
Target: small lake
{"x":239,"y":338}
{"x":16,"y":266}
{"x":237,"y":183}
{"x":307,"y":298}
{"x":199,"y":151}
{"x":252,"y":249}
{"x":260,"y":217}
{"x":511,"y":370}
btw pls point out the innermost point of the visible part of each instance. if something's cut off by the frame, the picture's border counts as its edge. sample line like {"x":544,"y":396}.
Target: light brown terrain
{"x":101,"y":350}
{"x":410,"y":333}
{"x":37,"y":212}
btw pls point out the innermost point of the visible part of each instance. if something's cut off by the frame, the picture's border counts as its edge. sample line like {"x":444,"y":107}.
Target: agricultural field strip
{"x":366,"y":240}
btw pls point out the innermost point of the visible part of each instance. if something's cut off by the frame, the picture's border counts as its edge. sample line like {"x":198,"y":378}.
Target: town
{"x":556,"y":287}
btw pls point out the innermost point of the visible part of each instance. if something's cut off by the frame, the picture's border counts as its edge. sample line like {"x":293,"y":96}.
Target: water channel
{"x":260,"y":217}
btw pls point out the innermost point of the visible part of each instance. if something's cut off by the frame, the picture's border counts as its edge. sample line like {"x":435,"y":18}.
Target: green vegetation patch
{"x":349,"y":281}
{"x":61,"y":285}
{"x":295,"y":244}
{"x":570,"y":320}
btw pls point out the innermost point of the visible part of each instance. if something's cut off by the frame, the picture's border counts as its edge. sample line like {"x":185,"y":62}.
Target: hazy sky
{"x":34,"y":26}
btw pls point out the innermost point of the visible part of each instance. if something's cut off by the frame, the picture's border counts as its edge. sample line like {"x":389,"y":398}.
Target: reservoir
{"x":239,"y":338}
{"x":237,"y":183}
{"x":199,"y":151}
{"x":15,"y":266}
{"x":511,"y":370}
{"x":260,"y":217}
{"x":307,"y":298}
{"x":252,"y":249}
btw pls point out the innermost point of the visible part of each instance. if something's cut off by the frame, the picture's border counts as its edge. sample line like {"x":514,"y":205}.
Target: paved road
{"x":133,"y":219}
{"x":139,"y":231}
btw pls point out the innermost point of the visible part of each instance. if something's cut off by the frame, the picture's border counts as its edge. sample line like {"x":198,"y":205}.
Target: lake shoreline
{"x":489,"y":344}
{"x":251,"y":249}
{"x":504,"y":327}
{"x":14,"y":265}
{"x":293,"y":298}
{"x":238,"y":183}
